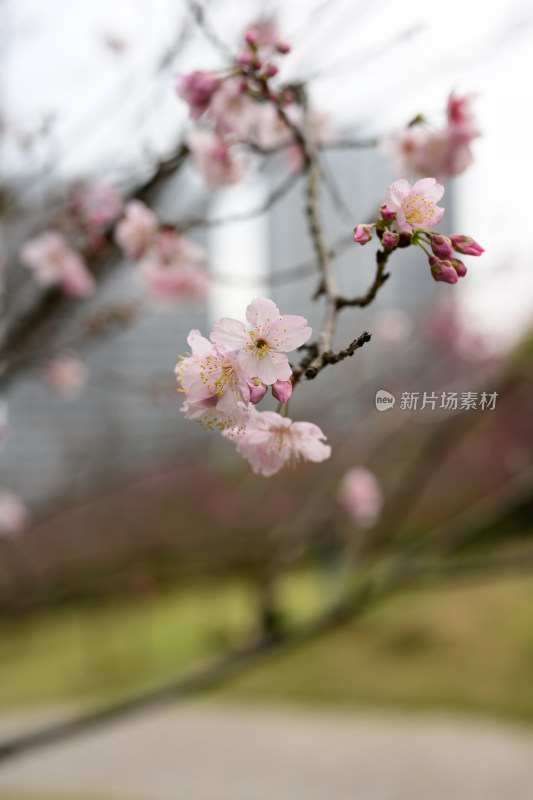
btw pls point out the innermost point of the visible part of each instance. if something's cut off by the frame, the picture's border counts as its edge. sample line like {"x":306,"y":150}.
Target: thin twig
{"x":380,"y":278}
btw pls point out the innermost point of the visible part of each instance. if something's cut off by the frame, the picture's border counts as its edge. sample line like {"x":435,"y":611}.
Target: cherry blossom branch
{"x":198,"y":13}
{"x":279,"y":192}
{"x":380,"y":278}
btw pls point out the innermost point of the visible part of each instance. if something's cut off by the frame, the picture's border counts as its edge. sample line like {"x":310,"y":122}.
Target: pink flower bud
{"x":387,"y":215}
{"x":252,"y":37}
{"x":197,"y":88}
{"x":458,"y":266}
{"x":466,"y":245}
{"x":441,"y":246}
{"x":245,"y":59}
{"x":282,"y":391}
{"x":272,"y":70}
{"x":362,"y":234}
{"x":257,"y":391}
{"x":283,"y":48}
{"x":442,"y":271}
{"x":390,"y":240}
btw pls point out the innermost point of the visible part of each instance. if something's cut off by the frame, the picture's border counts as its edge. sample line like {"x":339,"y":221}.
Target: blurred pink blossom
{"x":14,"y":516}
{"x":66,"y":375}
{"x":232,"y":110}
{"x":98,"y":203}
{"x":444,"y":152}
{"x":270,"y":442}
{"x":4,"y":418}
{"x":197,"y":88}
{"x":173,"y":268}
{"x":360,"y":496}
{"x":136,"y":230}
{"x":217,"y":161}
{"x":55,"y":263}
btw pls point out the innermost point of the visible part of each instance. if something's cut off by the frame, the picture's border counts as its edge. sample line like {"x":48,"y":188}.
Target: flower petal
{"x":289,"y":332}
{"x":262,"y":312}
{"x":230,"y":334}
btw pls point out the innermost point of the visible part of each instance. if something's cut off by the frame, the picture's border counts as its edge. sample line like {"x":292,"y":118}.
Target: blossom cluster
{"x":241,"y":105}
{"x":443,"y":152}
{"x":57,"y":256}
{"x":172,"y":266}
{"x":225,"y":376}
{"x":406,"y":217}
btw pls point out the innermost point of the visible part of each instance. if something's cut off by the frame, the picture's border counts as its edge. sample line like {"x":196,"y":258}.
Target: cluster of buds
{"x":220,"y":96}
{"x":405,"y":219}
{"x":256,"y":69}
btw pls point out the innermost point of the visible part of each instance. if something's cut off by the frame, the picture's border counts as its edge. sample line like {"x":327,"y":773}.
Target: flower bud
{"x":386,"y":214}
{"x":282,"y":391}
{"x":466,"y":245}
{"x":283,"y":48}
{"x":458,"y":266}
{"x":257,"y":391}
{"x":441,"y":245}
{"x":271,"y":70}
{"x":252,"y":38}
{"x":442,"y":271}
{"x":390,"y":240}
{"x":362,"y":234}
{"x":245,"y":59}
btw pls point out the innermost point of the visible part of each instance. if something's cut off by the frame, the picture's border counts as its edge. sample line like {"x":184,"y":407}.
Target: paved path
{"x":202,"y":751}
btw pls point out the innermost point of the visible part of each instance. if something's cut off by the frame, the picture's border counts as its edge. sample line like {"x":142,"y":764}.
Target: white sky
{"x":53,"y":62}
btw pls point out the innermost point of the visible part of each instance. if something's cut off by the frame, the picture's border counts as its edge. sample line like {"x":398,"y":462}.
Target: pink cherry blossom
{"x":173,"y":268}
{"x":97,"y":203}
{"x":66,"y":375}
{"x":14,"y":516}
{"x":197,"y":88}
{"x":55,"y":263}
{"x":206,"y":412}
{"x":218,"y":162}
{"x":135,"y":231}
{"x":232,"y":111}
{"x":360,"y":496}
{"x":209,"y":372}
{"x":444,"y":152}
{"x":270,"y":442}
{"x":459,"y":111}
{"x":262,"y":346}
{"x":415,"y":206}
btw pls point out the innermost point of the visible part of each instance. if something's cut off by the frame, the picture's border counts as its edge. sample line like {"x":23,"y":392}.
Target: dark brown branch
{"x":380,"y":278}
{"x":334,"y":358}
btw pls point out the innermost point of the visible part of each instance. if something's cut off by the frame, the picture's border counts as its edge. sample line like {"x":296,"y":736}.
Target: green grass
{"x":456,"y":647}
{"x":111,"y":649}
{"x":466,"y":647}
